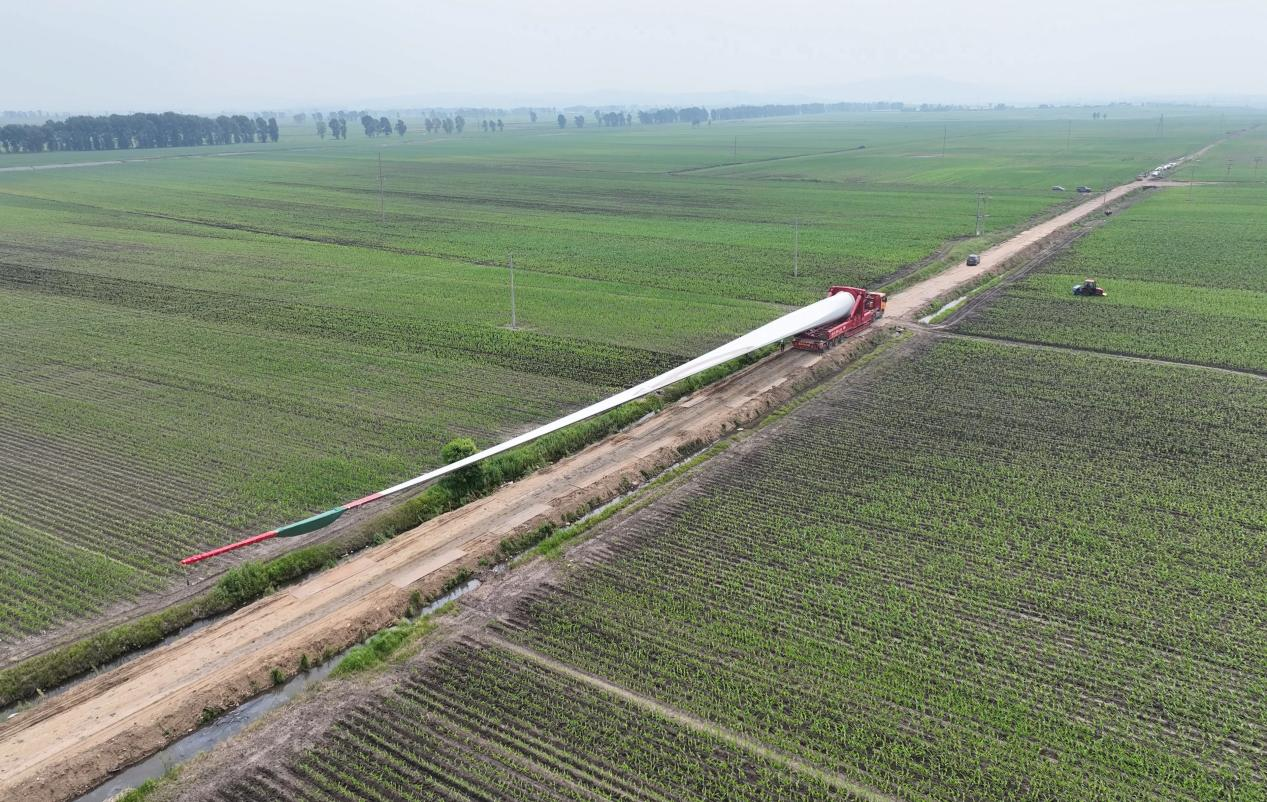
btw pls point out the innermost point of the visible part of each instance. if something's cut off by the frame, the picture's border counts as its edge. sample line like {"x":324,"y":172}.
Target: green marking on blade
{"x":310,"y":524}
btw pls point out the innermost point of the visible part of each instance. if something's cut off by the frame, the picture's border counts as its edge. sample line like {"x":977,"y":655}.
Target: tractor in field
{"x":1089,"y":288}
{"x":867,"y":308}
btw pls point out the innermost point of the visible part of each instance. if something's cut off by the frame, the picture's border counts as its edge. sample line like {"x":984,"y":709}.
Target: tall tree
{"x":384,"y":126}
{"x":562,"y":121}
{"x":401,"y":128}
{"x":369,"y":124}
{"x":532,"y":116}
{"x":579,"y":122}
{"x":321,"y":128}
{"x":459,"y":122}
{"x":273,"y":133}
{"x":500,"y":125}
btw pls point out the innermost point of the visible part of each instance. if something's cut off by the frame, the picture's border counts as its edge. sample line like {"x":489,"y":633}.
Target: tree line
{"x":791,"y":109}
{"x":128,"y":131}
{"x":382,"y":125}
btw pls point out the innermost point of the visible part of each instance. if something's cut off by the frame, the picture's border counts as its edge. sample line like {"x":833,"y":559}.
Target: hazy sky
{"x":209,"y":55}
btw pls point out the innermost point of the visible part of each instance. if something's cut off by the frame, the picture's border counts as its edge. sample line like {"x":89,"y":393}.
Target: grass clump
{"x":381,"y":646}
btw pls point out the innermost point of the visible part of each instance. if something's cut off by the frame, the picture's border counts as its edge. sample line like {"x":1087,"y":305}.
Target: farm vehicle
{"x":1089,"y":288}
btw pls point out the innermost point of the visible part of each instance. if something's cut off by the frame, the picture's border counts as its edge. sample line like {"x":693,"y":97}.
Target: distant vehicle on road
{"x":1084,"y":189}
{"x":1057,"y":188}
{"x":973,"y":260}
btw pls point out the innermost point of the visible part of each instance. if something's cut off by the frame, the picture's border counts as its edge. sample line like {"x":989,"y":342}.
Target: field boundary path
{"x":72,"y":742}
{"x":940,"y":333}
{"x":738,"y":740}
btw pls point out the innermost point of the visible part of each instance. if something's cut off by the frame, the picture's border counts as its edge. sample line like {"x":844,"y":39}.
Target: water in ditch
{"x":233,"y":721}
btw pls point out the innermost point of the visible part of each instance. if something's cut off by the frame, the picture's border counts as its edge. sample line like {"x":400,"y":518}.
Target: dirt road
{"x":73,"y":741}
{"x":908,"y":303}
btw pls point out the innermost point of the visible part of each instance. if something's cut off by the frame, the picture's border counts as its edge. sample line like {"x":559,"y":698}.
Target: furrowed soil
{"x":73,"y":741}
{"x":203,"y":347}
{"x":940,"y":602}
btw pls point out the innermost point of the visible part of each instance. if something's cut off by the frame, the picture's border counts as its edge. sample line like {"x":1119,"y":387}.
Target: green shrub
{"x":245,"y":583}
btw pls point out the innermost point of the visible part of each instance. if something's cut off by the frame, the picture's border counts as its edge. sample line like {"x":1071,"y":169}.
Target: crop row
{"x":942,"y":582}
{"x":482,"y":723}
{"x":47,"y":580}
{"x":1186,"y":273}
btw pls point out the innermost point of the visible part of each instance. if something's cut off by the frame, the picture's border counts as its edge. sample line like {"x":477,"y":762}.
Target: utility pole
{"x":382,"y":208}
{"x":1161,"y":126}
{"x":945,"y":132}
{"x":1069,"y":136}
{"x":980,"y":210}
{"x":514,"y":319}
{"x":796,"y":248}
{"x":734,"y":149}
{"x":1258,"y":160}
{"x":1229,"y":169}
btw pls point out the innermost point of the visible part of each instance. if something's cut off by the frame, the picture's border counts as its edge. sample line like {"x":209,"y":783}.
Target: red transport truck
{"x":868,"y":307}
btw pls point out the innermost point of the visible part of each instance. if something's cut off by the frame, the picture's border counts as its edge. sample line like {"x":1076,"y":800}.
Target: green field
{"x":198,"y":348}
{"x":479,"y":724}
{"x":1186,"y":273}
{"x":977,"y":571}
